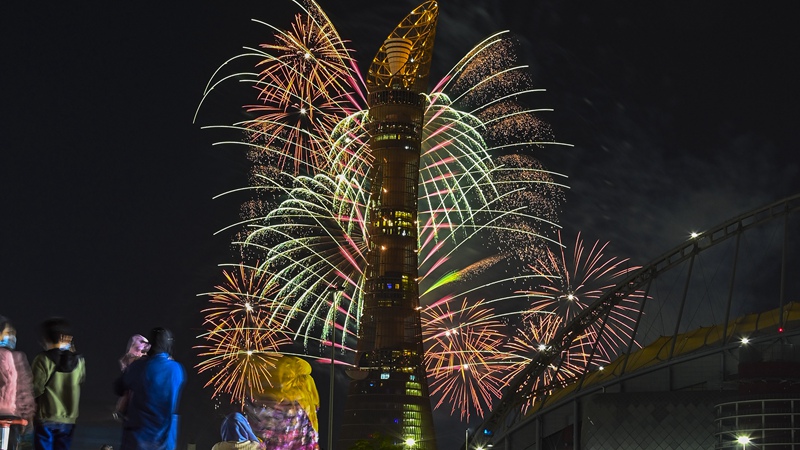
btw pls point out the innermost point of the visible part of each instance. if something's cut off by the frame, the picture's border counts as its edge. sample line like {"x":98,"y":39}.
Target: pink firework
{"x":571,"y":285}
{"x":568,"y":287}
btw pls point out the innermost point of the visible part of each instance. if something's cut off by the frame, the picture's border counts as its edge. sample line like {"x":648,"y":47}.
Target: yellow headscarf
{"x":291,"y":381}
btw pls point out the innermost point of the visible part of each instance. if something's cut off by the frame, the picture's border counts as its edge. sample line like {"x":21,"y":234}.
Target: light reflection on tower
{"x":389,"y":393}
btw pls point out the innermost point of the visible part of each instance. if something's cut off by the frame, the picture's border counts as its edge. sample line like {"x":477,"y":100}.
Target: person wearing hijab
{"x":138,"y":346}
{"x":284,"y":416}
{"x":155,"y":383}
{"x":237,"y":434}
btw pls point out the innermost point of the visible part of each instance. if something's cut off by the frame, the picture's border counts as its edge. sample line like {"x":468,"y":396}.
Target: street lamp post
{"x":333,"y":290}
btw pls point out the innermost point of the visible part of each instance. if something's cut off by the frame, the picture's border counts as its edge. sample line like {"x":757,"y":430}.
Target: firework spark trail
{"x":306,"y":83}
{"x":578,"y":284}
{"x":245,"y":338}
{"x":311,"y":249}
{"x":571,"y":285}
{"x":465,"y":168}
{"x":305,"y":91}
{"x":532,"y":336}
{"x":481,"y":203}
{"x":461,"y":355}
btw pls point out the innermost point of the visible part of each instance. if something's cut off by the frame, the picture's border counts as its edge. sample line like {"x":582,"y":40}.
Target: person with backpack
{"x":58,"y":373}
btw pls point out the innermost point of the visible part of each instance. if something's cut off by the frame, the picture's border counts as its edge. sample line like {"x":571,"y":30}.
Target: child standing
{"x":58,"y":373}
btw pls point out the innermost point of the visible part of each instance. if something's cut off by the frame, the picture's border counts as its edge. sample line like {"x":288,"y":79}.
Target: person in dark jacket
{"x":58,"y":373}
{"x":155,"y":383}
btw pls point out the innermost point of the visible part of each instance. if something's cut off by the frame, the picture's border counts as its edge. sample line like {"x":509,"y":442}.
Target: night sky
{"x":682,"y":115}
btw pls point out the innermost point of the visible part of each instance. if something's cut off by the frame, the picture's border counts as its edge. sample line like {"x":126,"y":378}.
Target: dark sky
{"x":682,"y":114}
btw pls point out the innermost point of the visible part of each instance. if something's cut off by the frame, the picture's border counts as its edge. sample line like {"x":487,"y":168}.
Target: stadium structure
{"x":712,"y":360}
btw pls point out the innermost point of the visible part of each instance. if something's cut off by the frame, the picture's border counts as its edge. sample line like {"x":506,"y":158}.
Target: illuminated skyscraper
{"x":389,"y":394}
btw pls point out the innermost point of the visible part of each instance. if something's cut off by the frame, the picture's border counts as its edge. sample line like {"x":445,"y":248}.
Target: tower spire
{"x":389,"y":393}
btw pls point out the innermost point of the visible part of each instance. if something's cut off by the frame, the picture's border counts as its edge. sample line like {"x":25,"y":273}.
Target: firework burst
{"x":569,"y":286}
{"x":462,"y":356}
{"x":483,"y":200}
{"x":244,"y":337}
{"x":533,"y":335}
{"x":306,"y":83}
{"x":576,"y":283}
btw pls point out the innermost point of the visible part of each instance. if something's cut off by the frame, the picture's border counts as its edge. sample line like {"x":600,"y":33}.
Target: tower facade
{"x":389,"y":391}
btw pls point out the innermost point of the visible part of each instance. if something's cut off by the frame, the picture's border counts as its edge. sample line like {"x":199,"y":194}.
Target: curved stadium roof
{"x":697,"y":341}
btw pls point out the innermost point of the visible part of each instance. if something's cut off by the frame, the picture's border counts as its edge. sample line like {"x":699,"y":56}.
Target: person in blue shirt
{"x":155,"y":383}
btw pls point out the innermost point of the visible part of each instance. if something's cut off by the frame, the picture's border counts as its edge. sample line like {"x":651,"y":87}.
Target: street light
{"x":744,"y":440}
{"x":333,"y":290}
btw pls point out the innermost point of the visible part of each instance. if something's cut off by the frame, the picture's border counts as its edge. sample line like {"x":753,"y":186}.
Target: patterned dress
{"x":282,"y":425}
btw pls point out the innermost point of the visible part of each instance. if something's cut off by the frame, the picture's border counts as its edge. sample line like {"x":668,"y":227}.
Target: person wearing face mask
{"x":8,"y":373}
{"x":58,"y":373}
{"x":24,"y":405}
{"x":155,"y":383}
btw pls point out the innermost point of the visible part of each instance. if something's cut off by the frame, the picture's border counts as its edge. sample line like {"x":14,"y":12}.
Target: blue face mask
{"x":9,"y":342}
